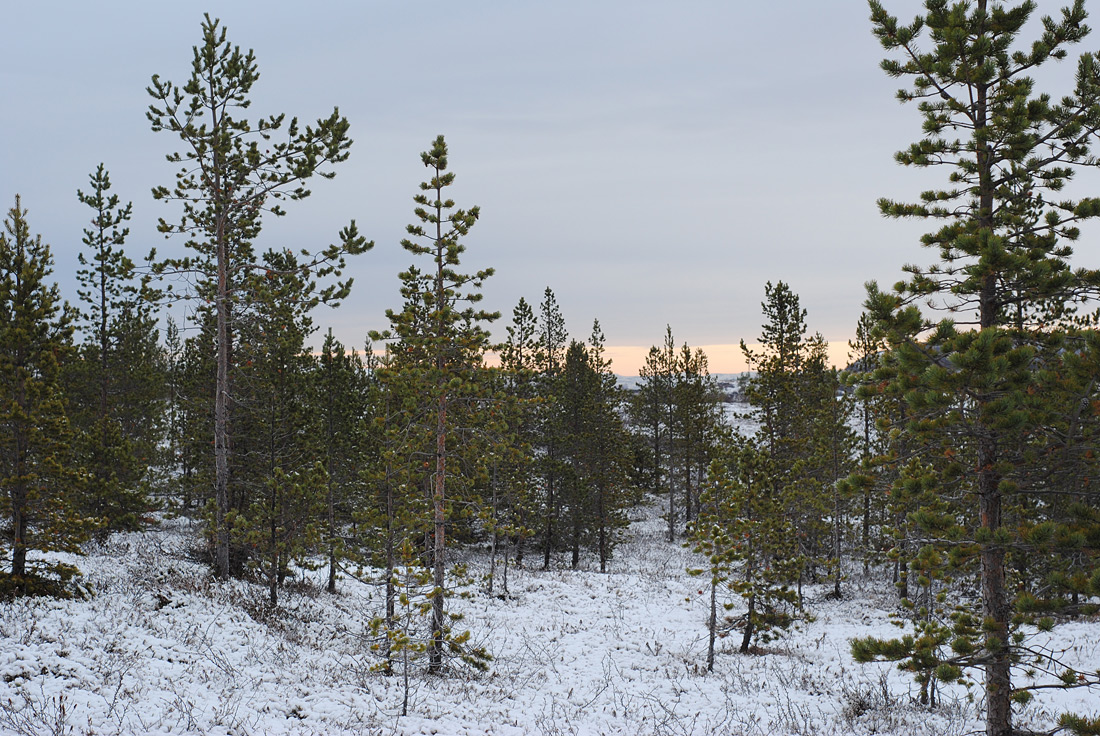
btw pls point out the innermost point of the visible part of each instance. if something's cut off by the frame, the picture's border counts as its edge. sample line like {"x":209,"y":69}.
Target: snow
{"x":162,"y":649}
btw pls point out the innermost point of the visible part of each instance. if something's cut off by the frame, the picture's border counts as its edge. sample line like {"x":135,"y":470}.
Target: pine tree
{"x":697,"y":417}
{"x":1004,"y":279}
{"x":656,"y":410}
{"x":116,"y":382}
{"x":439,"y":346}
{"x":342,"y":402}
{"x":749,"y":542}
{"x":595,"y":487}
{"x":276,"y":437}
{"x":513,"y":475}
{"x":36,"y":472}
{"x":232,"y":173}
{"x":863,"y":357}
{"x":609,"y":445}
{"x":789,"y":404}
{"x":549,"y":361}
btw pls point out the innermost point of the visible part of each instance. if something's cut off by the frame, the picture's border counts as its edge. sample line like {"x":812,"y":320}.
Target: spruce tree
{"x":1005,"y":282}
{"x":232,"y":172}
{"x":36,"y":464}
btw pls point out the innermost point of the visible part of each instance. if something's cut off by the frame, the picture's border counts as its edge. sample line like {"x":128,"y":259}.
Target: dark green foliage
{"x":594,"y":451}
{"x":344,"y":402}
{"x":804,"y":431}
{"x":278,"y":493}
{"x":749,"y":542}
{"x":115,"y":384}
{"x":549,"y":361}
{"x":37,"y":476}
{"x":232,"y":172}
{"x":437,"y":371}
{"x":676,"y":410}
{"x":510,"y":514}
{"x":654,"y":410}
{"x":991,"y":399}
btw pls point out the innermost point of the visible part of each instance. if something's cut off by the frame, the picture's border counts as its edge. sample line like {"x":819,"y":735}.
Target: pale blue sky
{"x":652,"y":162}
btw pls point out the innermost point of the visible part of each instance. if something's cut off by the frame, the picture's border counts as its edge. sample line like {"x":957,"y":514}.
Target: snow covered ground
{"x":162,"y":649}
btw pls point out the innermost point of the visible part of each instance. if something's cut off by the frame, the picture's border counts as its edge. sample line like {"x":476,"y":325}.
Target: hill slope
{"x":160,"y":650}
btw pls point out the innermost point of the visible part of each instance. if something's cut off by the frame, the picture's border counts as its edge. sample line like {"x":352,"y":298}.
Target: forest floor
{"x":161,"y":649}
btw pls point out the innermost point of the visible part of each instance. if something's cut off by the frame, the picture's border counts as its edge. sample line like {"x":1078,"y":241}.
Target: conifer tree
{"x":439,"y":346}
{"x":595,"y":487}
{"x":697,"y":418}
{"x":513,"y":479}
{"x":342,"y":401}
{"x":789,"y":405}
{"x":36,"y":472}
{"x":609,"y":471}
{"x":232,"y":172}
{"x":749,"y":541}
{"x":549,"y":361}
{"x":1003,"y":278}
{"x":656,"y":410}
{"x":863,"y":356}
{"x":190,"y":381}
{"x":115,"y":384}
{"x":276,"y":429}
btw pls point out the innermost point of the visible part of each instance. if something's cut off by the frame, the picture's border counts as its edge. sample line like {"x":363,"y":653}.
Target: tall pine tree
{"x":439,"y":346}
{"x":1010,"y":295}
{"x":232,"y":172}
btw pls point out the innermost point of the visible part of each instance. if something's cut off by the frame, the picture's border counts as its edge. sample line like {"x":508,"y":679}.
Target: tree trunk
{"x":604,"y":553}
{"x":998,"y":676}
{"x":221,"y":411}
{"x":435,"y":649}
{"x":750,"y":620}
{"x":712,"y":623}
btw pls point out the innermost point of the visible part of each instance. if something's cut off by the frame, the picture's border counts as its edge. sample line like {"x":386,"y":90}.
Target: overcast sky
{"x":651,"y":162}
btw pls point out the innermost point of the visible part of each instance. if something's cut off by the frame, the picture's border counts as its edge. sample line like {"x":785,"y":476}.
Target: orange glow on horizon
{"x":627,"y":360}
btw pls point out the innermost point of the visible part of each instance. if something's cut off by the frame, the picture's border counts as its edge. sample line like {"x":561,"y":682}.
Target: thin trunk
{"x":331,"y":532}
{"x":750,"y":625}
{"x":712,"y":623}
{"x":866,"y":536}
{"x":688,"y":512}
{"x":435,"y":649}
{"x":577,"y":518}
{"x":671,"y":509}
{"x":493,"y":539}
{"x":837,"y":530}
{"x":998,"y":676}
{"x":18,"y":492}
{"x":504,"y":572}
{"x":548,"y":543}
{"x":602,"y":510}
{"x":103,"y":342}
{"x":221,"y":388}
{"x":391,"y":565}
